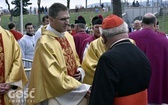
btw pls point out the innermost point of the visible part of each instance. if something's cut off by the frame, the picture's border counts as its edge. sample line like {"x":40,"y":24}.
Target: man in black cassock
{"x":123,"y":72}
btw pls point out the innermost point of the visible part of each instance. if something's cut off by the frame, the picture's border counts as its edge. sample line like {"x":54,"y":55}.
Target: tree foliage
{"x":68,"y":3}
{"x":8,"y":5}
{"x":39,"y":16}
{"x":16,"y":9}
{"x":10,"y":10}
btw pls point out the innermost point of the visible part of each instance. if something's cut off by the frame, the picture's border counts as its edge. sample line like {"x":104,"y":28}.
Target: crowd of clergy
{"x":107,"y":63}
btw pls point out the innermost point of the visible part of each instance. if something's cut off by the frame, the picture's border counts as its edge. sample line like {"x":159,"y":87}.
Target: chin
{"x":64,"y":30}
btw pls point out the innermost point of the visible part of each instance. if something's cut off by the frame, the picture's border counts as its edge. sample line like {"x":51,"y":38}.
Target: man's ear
{"x":155,"y":25}
{"x":51,"y":19}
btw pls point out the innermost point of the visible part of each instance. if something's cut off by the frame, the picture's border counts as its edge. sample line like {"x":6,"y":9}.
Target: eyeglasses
{"x":63,"y":19}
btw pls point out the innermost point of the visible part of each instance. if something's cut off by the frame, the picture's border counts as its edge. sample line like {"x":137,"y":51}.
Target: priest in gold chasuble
{"x":56,"y":73}
{"x":12,"y":74}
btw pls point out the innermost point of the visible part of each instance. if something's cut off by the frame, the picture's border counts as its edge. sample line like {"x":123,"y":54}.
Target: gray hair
{"x":81,"y":25}
{"x":123,"y":28}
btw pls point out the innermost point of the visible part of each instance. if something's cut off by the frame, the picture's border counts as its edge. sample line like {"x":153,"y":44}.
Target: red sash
{"x":139,"y":98}
{"x":2,"y":68}
{"x":69,"y":56}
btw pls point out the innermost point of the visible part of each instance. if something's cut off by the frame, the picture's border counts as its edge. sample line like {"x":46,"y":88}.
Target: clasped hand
{"x":4,"y":88}
{"x":78,"y":75}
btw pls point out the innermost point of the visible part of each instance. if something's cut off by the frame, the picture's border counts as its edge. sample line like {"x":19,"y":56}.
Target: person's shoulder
{"x":104,"y":56}
{"x":134,"y":33}
{"x":137,"y":34}
{"x":94,"y":41}
{"x":108,"y":55}
{"x":68,"y":35}
{"x":89,"y":39}
{"x":38,"y":30}
{"x":24,"y":38}
{"x":16,"y":32}
{"x":88,"y":34}
{"x":76,"y":35}
{"x":8,"y":33}
{"x":97,"y":40}
{"x":45,"y":41}
{"x":162,"y":37}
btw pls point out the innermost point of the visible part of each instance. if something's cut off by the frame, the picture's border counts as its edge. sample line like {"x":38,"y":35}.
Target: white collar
{"x":54,"y":31}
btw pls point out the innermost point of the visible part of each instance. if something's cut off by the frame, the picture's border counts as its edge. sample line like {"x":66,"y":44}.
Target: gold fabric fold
{"x":2,"y":68}
{"x":14,"y":70}
{"x":90,"y":60}
{"x":49,"y":76}
{"x":95,"y":50}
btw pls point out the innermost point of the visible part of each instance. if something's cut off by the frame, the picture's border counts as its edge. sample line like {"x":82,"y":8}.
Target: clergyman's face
{"x":96,"y":30}
{"x":30,"y":29}
{"x":137,"y":26}
{"x":60,"y":22}
{"x":46,"y":21}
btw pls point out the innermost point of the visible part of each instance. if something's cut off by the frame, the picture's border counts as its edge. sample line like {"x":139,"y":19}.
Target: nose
{"x":66,"y":22}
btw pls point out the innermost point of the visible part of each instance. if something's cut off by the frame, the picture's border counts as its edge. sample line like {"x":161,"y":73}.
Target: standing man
{"x":12,"y":74}
{"x":81,"y":35}
{"x":96,"y":22}
{"x":56,"y":74}
{"x":137,"y":25}
{"x":95,"y":49}
{"x":12,"y":29}
{"x":73,"y":29}
{"x":27,"y":44}
{"x":45,"y":21}
{"x":157,"y":29}
{"x":119,"y":78}
{"x":155,"y":46}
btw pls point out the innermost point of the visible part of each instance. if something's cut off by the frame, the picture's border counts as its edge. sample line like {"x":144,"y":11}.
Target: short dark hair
{"x":44,"y":17}
{"x":55,"y":8}
{"x":27,"y":24}
{"x":149,"y":20}
{"x":157,"y":23}
{"x":72,"y":25}
{"x":11,"y":25}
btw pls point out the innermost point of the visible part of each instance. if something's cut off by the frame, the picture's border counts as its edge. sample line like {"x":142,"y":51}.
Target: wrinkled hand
{"x":4,"y":88}
{"x":77,"y":75}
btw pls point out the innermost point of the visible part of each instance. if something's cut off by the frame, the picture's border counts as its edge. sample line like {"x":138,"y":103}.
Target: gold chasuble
{"x":11,"y":68}
{"x":2,"y":69}
{"x":90,"y":60}
{"x":55,"y":62}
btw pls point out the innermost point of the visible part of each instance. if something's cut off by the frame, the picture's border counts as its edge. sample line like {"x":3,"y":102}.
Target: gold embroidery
{"x":2,"y":69}
{"x":69,"y":56}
